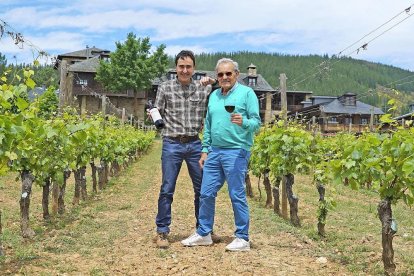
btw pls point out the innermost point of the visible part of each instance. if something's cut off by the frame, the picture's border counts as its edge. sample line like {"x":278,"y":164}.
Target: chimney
{"x":251,"y":70}
{"x":348,"y":98}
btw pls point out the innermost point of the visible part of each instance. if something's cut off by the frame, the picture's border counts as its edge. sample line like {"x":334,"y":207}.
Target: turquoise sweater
{"x":219,"y":131}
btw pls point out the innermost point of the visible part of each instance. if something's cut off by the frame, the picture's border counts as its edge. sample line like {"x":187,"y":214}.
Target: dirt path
{"x":120,"y":239}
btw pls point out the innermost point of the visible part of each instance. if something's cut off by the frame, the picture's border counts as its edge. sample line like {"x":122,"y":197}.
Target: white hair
{"x":228,"y":60}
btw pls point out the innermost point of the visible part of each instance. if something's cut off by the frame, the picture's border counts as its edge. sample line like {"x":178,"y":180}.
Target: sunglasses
{"x":221,"y":74}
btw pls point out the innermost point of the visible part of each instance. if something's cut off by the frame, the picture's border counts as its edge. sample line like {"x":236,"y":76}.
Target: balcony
{"x":295,"y":107}
{"x":336,"y":127}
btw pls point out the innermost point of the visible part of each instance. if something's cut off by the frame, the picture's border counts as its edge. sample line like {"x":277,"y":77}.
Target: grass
{"x":353,"y":228}
{"x":164,"y":253}
{"x":97,"y":272}
{"x":95,"y":223}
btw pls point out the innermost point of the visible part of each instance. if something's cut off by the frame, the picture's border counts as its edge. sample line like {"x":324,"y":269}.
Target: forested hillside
{"x":324,"y":75}
{"x":44,"y":75}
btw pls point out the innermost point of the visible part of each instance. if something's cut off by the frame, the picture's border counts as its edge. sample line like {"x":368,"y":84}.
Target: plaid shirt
{"x":182,"y":107}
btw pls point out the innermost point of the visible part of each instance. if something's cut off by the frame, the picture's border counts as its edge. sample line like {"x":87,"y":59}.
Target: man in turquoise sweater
{"x":228,"y":137}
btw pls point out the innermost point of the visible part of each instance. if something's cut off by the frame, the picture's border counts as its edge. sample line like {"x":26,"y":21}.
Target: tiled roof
{"x":334,"y":105}
{"x":324,"y":97}
{"x":89,"y":65}
{"x":261,"y":86}
{"x":299,"y":92}
{"x":337,"y":107}
{"x":406,"y":116}
{"x":85,"y":53}
{"x":35,"y":92}
{"x":38,"y":91}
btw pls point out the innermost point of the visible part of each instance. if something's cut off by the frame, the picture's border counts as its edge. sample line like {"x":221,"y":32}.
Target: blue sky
{"x":289,"y":27}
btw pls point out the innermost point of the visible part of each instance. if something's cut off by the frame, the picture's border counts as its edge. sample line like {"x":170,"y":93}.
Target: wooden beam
{"x":283,"y":114}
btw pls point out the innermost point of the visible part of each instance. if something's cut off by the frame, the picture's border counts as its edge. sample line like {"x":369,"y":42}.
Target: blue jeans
{"x":225,"y":165}
{"x":173,"y":155}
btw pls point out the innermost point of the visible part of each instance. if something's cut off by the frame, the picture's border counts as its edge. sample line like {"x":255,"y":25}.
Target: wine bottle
{"x":155,"y":115}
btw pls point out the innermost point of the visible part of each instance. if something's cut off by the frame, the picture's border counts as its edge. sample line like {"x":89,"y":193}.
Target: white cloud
{"x":271,"y":38}
{"x":296,"y":27}
{"x":52,"y":43}
{"x":62,"y":41}
{"x":172,"y":50}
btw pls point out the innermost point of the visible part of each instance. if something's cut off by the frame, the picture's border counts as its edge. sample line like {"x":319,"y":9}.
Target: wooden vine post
{"x":55,"y":194}
{"x":388,"y":232}
{"x":323,"y":210}
{"x":276,"y":196}
{"x":27,"y":182}
{"x":268,"y":189}
{"x":45,"y":198}
{"x":249,"y":190}
{"x":283,"y":114}
{"x":293,"y":200}
{"x":94,"y":179}
{"x":1,"y":230}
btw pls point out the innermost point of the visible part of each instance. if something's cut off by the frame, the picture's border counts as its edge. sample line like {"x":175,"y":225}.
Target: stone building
{"x":336,"y":114}
{"x":79,"y":88}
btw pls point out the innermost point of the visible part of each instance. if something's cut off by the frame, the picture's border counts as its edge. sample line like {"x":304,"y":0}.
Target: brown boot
{"x":162,"y":240}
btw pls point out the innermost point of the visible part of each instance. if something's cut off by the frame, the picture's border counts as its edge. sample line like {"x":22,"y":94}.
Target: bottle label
{"x":155,"y":114}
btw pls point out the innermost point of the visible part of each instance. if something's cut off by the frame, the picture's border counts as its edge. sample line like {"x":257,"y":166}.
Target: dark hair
{"x":183,"y":54}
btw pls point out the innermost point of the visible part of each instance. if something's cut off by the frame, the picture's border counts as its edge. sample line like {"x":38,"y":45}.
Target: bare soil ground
{"x":112,"y":234}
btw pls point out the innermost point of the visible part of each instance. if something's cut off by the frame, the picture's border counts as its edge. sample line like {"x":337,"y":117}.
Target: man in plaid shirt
{"x":182,"y":103}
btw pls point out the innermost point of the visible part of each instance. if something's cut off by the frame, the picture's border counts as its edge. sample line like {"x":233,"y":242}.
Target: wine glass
{"x":229,"y":105}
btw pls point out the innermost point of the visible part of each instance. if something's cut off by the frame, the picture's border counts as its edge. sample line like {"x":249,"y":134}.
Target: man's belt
{"x":183,"y":138}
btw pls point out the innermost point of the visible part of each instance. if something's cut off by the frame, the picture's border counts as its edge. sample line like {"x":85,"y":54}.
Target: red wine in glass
{"x":229,"y":108}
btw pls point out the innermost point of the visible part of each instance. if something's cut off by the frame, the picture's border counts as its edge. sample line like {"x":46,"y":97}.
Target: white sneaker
{"x":195,"y":239}
{"x":238,"y":244}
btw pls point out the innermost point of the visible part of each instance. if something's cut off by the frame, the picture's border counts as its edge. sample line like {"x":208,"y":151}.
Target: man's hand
{"x":148,"y":113}
{"x":236,"y":118}
{"x":202,"y":159}
{"x":207,"y":80}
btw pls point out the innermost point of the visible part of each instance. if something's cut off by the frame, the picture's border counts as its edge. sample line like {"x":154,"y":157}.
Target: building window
{"x":172,"y":76}
{"x":332,"y":120}
{"x":262,"y":102}
{"x":252,"y":81}
{"x":364,"y":121}
{"x":350,"y":100}
{"x":82,"y":82}
{"x":198,"y":76}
